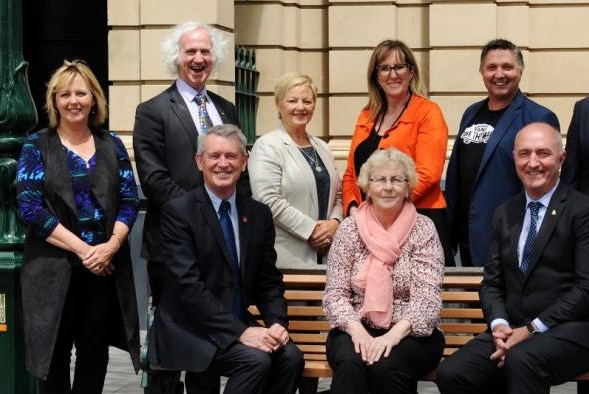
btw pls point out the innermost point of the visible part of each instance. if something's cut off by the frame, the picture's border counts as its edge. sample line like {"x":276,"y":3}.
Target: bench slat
{"x":299,"y":338}
{"x":460,"y":296}
{"x":312,"y":349}
{"x":462,"y":313}
{"x":304,"y":295}
{"x":468,"y":328}
{"x":311,"y":325}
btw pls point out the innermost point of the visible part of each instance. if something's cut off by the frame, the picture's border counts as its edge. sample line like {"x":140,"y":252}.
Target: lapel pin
{"x":553,"y":213}
{"x":244,"y":219}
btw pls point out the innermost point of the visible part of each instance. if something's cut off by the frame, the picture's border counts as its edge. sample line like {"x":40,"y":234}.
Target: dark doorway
{"x":54,"y":30}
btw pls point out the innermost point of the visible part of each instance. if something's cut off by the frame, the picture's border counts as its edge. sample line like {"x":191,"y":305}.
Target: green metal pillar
{"x":246,"y":86}
{"x":17,"y":116}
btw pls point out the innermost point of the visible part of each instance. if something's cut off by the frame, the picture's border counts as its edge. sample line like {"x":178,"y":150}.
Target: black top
{"x":471,"y":147}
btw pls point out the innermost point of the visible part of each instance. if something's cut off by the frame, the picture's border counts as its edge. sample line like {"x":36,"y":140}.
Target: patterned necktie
{"x":203,"y":115}
{"x":229,"y":236}
{"x":529,"y":245}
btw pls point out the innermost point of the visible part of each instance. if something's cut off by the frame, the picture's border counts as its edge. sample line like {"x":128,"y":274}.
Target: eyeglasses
{"x":400,"y":69}
{"x":382,"y":181}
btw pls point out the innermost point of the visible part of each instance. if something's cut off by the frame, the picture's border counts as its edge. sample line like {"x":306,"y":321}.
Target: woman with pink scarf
{"x":383,"y":294}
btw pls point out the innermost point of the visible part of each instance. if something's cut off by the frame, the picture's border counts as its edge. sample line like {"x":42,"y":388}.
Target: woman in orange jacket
{"x":399,"y":115}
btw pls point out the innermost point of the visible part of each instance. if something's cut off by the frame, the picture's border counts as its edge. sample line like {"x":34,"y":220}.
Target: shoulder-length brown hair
{"x":376,"y":97}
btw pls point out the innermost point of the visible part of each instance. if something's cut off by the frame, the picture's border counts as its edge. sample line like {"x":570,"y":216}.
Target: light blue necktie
{"x":529,"y":245}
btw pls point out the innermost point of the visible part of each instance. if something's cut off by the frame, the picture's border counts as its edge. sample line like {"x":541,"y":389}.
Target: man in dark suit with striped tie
{"x":220,"y":258}
{"x":535,"y":289}
{"x":166,"y":131}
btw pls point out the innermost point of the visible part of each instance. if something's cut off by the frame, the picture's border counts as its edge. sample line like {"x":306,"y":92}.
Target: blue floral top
{"x":31,"y":176}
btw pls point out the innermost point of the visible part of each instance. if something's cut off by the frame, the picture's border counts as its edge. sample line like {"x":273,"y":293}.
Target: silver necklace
{"x":312,"y":159}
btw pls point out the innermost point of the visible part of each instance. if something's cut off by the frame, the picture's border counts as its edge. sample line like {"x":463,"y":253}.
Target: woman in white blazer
{"x":295,"y":175}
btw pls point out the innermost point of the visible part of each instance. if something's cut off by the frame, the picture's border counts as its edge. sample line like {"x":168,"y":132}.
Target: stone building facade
{"x":332,"y":40}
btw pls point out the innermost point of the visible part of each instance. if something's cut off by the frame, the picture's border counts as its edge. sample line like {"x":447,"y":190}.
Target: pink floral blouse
{"x":417,"y":278}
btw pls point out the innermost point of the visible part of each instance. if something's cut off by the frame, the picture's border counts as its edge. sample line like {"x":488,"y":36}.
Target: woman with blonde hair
{"x":77,"y":195}
{"x":294,"y":173}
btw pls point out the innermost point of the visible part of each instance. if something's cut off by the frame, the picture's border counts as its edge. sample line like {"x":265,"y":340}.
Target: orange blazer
{"x":422,"y":134}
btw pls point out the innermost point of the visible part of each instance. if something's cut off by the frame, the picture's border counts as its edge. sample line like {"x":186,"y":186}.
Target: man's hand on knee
{"x":258,"y":338}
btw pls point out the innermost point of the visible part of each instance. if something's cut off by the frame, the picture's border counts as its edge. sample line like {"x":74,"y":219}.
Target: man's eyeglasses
{"x":382,"y":181}
{"x":400,"y":69}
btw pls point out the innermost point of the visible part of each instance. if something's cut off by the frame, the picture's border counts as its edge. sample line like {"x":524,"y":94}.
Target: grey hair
{"x":170,"y":46}
{"x":382,"y":157}
{"x":226,"y":131}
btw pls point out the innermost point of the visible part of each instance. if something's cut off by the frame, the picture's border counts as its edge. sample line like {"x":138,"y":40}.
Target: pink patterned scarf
{"x":384,"y":246}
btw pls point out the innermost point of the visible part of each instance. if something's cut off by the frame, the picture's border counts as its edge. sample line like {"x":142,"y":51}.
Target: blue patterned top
{"x":31,"y":177}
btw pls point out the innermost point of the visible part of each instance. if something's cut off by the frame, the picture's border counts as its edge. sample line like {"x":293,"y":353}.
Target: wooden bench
{"x":462,"y":319}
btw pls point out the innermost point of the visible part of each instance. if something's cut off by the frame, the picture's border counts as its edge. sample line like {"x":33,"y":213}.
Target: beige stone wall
{"x":332,"y":40}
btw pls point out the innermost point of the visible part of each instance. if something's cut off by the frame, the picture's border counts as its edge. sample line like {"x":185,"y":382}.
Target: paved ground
{"x":121,"y":379}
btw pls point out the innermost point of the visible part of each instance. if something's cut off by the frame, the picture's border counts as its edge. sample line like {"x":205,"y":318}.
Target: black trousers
{"x":88,"y":317}
{"x":251,"y":371}
{"x":167,"y":381}
{"x":398,"y":373}
{"x":531,"y":367}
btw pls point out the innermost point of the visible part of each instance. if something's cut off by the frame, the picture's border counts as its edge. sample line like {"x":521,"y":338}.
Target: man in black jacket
{"x":167,"y":128}
{"x":535,"y":289}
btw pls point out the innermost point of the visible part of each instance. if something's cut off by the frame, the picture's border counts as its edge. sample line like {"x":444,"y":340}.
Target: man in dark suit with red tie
{"x":165,"y":140}
{"x":202,"y":324}
{"x":535,"y":289}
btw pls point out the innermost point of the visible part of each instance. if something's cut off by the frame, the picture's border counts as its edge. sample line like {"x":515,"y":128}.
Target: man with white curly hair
{"x":167,"y":127}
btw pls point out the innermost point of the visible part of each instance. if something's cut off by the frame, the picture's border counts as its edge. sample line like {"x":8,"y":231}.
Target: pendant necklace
{"x":313,"y":160}
{"x":381,"y":123}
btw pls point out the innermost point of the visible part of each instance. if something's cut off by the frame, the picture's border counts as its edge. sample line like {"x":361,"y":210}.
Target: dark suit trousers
{"x":90,"y":305}
{"x":156,"y":272}
{"x":251,"y":371}
{"x":531,"y":367}
{"x":398,"y":373}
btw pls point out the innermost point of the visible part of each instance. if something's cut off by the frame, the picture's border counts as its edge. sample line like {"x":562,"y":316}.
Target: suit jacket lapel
{"x":244,"y":231}
{"x":500,"y":129}
{"x":178,"y":107}
{"x":518,"y":212}
{"x":296,"y":158}
{"x":220,"y":107}
{"x":212,"y":219}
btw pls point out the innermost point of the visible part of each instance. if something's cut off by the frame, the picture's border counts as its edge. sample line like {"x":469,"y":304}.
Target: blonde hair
{"x":64,"y":75}
{"x":290,"y":80}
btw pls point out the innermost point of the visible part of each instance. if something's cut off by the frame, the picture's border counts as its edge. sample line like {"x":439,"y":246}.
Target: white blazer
{"x":281,"y":178}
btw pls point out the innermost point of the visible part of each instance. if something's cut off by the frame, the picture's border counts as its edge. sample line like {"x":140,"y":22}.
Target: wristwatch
{"x":532,"y":330}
